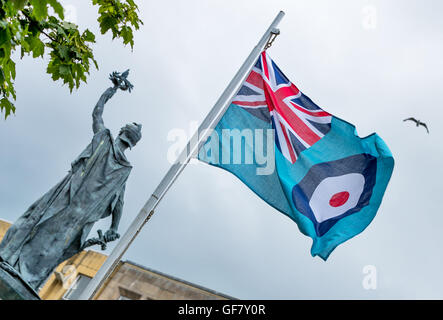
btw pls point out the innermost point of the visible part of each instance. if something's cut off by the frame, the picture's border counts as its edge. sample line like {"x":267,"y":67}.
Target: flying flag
{"x":303,"y":161}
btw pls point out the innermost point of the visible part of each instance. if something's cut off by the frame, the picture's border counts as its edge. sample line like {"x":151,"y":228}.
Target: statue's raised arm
{"x":120,"y":81}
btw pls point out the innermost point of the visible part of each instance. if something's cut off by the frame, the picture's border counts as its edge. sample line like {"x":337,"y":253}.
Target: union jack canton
{"x":269,"y":95}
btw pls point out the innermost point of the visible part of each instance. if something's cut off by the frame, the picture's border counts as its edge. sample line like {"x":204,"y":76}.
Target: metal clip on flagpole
{"x":199,"y":138}
{"x":274,"y":33}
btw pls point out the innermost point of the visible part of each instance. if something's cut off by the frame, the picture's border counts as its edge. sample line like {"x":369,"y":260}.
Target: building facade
{"x":129,"y":281}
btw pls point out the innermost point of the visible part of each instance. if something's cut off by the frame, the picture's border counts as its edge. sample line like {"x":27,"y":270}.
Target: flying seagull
{"x":418,"y":123}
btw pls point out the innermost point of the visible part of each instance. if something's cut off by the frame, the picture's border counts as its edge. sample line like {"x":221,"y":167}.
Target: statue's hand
{"x":121,"y":80}
{"x":91,"y":242}
{"x":111,"y":235}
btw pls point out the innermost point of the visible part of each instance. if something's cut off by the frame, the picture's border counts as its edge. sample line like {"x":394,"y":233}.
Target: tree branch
{"x":42,"y":30}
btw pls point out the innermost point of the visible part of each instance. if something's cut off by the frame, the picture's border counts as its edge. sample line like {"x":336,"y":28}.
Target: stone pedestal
{"x":13,"y":287}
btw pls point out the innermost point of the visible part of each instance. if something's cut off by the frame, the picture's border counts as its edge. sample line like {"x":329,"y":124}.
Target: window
{"x":126,"y":294}
{"x":77,"y":287}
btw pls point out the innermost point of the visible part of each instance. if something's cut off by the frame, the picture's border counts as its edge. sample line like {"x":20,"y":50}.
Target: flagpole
{"x":203,"y":132}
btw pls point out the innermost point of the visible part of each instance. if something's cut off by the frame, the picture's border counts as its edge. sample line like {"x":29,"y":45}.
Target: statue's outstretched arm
{"x":97,"y":114}
{"x":121,"y":82}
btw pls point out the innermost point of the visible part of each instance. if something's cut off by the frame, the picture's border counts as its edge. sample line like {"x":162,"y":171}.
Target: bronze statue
{"x":56,"y":226}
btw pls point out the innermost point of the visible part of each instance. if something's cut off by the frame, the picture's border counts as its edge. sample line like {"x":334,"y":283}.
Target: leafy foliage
{"x":118,"y":17}
{"x":36,"y":27}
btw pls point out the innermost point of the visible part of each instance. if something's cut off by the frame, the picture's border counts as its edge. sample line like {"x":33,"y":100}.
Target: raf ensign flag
{"x":321,"y":174}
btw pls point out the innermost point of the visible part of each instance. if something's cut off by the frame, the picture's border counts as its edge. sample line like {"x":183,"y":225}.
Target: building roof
{"x":180,"y":280}
{"x":88,"y":263}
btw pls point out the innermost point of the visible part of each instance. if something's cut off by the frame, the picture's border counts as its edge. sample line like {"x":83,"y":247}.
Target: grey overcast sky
{"x":210,"y":229}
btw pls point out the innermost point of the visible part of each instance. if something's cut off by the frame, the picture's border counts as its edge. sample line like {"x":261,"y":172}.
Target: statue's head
{"x":131,"y":134}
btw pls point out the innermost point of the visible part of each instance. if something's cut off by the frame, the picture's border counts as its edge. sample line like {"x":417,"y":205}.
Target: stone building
{"x":129,"y":281}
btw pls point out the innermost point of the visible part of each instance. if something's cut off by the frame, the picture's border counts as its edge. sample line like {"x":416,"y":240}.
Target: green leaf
{"x":63,"y":52}
{"x":64,"y":70}
{"x":2,"y":76}
{"x":19,"y":4}
{"x":106,"y":23}
{"x":11,"y":68}
{"x":6,"y":107}
{"x":88,"y":36}
{"x":58,"y":8}
{"x":5,"y":36}
{"x":127,"y":35}
{"x":38,"y":48}
{"x":40,"y":9}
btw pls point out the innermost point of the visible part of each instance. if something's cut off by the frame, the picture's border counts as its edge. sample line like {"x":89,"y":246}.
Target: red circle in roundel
{"x":339,"y":199}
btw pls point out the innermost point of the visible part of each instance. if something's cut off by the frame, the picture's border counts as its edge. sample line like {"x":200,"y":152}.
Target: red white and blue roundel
{"x":333,"y":190}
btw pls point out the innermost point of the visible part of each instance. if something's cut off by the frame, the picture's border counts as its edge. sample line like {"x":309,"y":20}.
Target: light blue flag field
{"x":306,"y":163}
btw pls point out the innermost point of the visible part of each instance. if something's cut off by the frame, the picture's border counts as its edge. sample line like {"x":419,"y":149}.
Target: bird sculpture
{"x":120,"y":80}
{"x":418,"y":123}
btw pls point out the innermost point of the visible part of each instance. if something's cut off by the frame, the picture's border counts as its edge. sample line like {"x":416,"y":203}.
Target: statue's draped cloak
{"x":55,"y":227}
